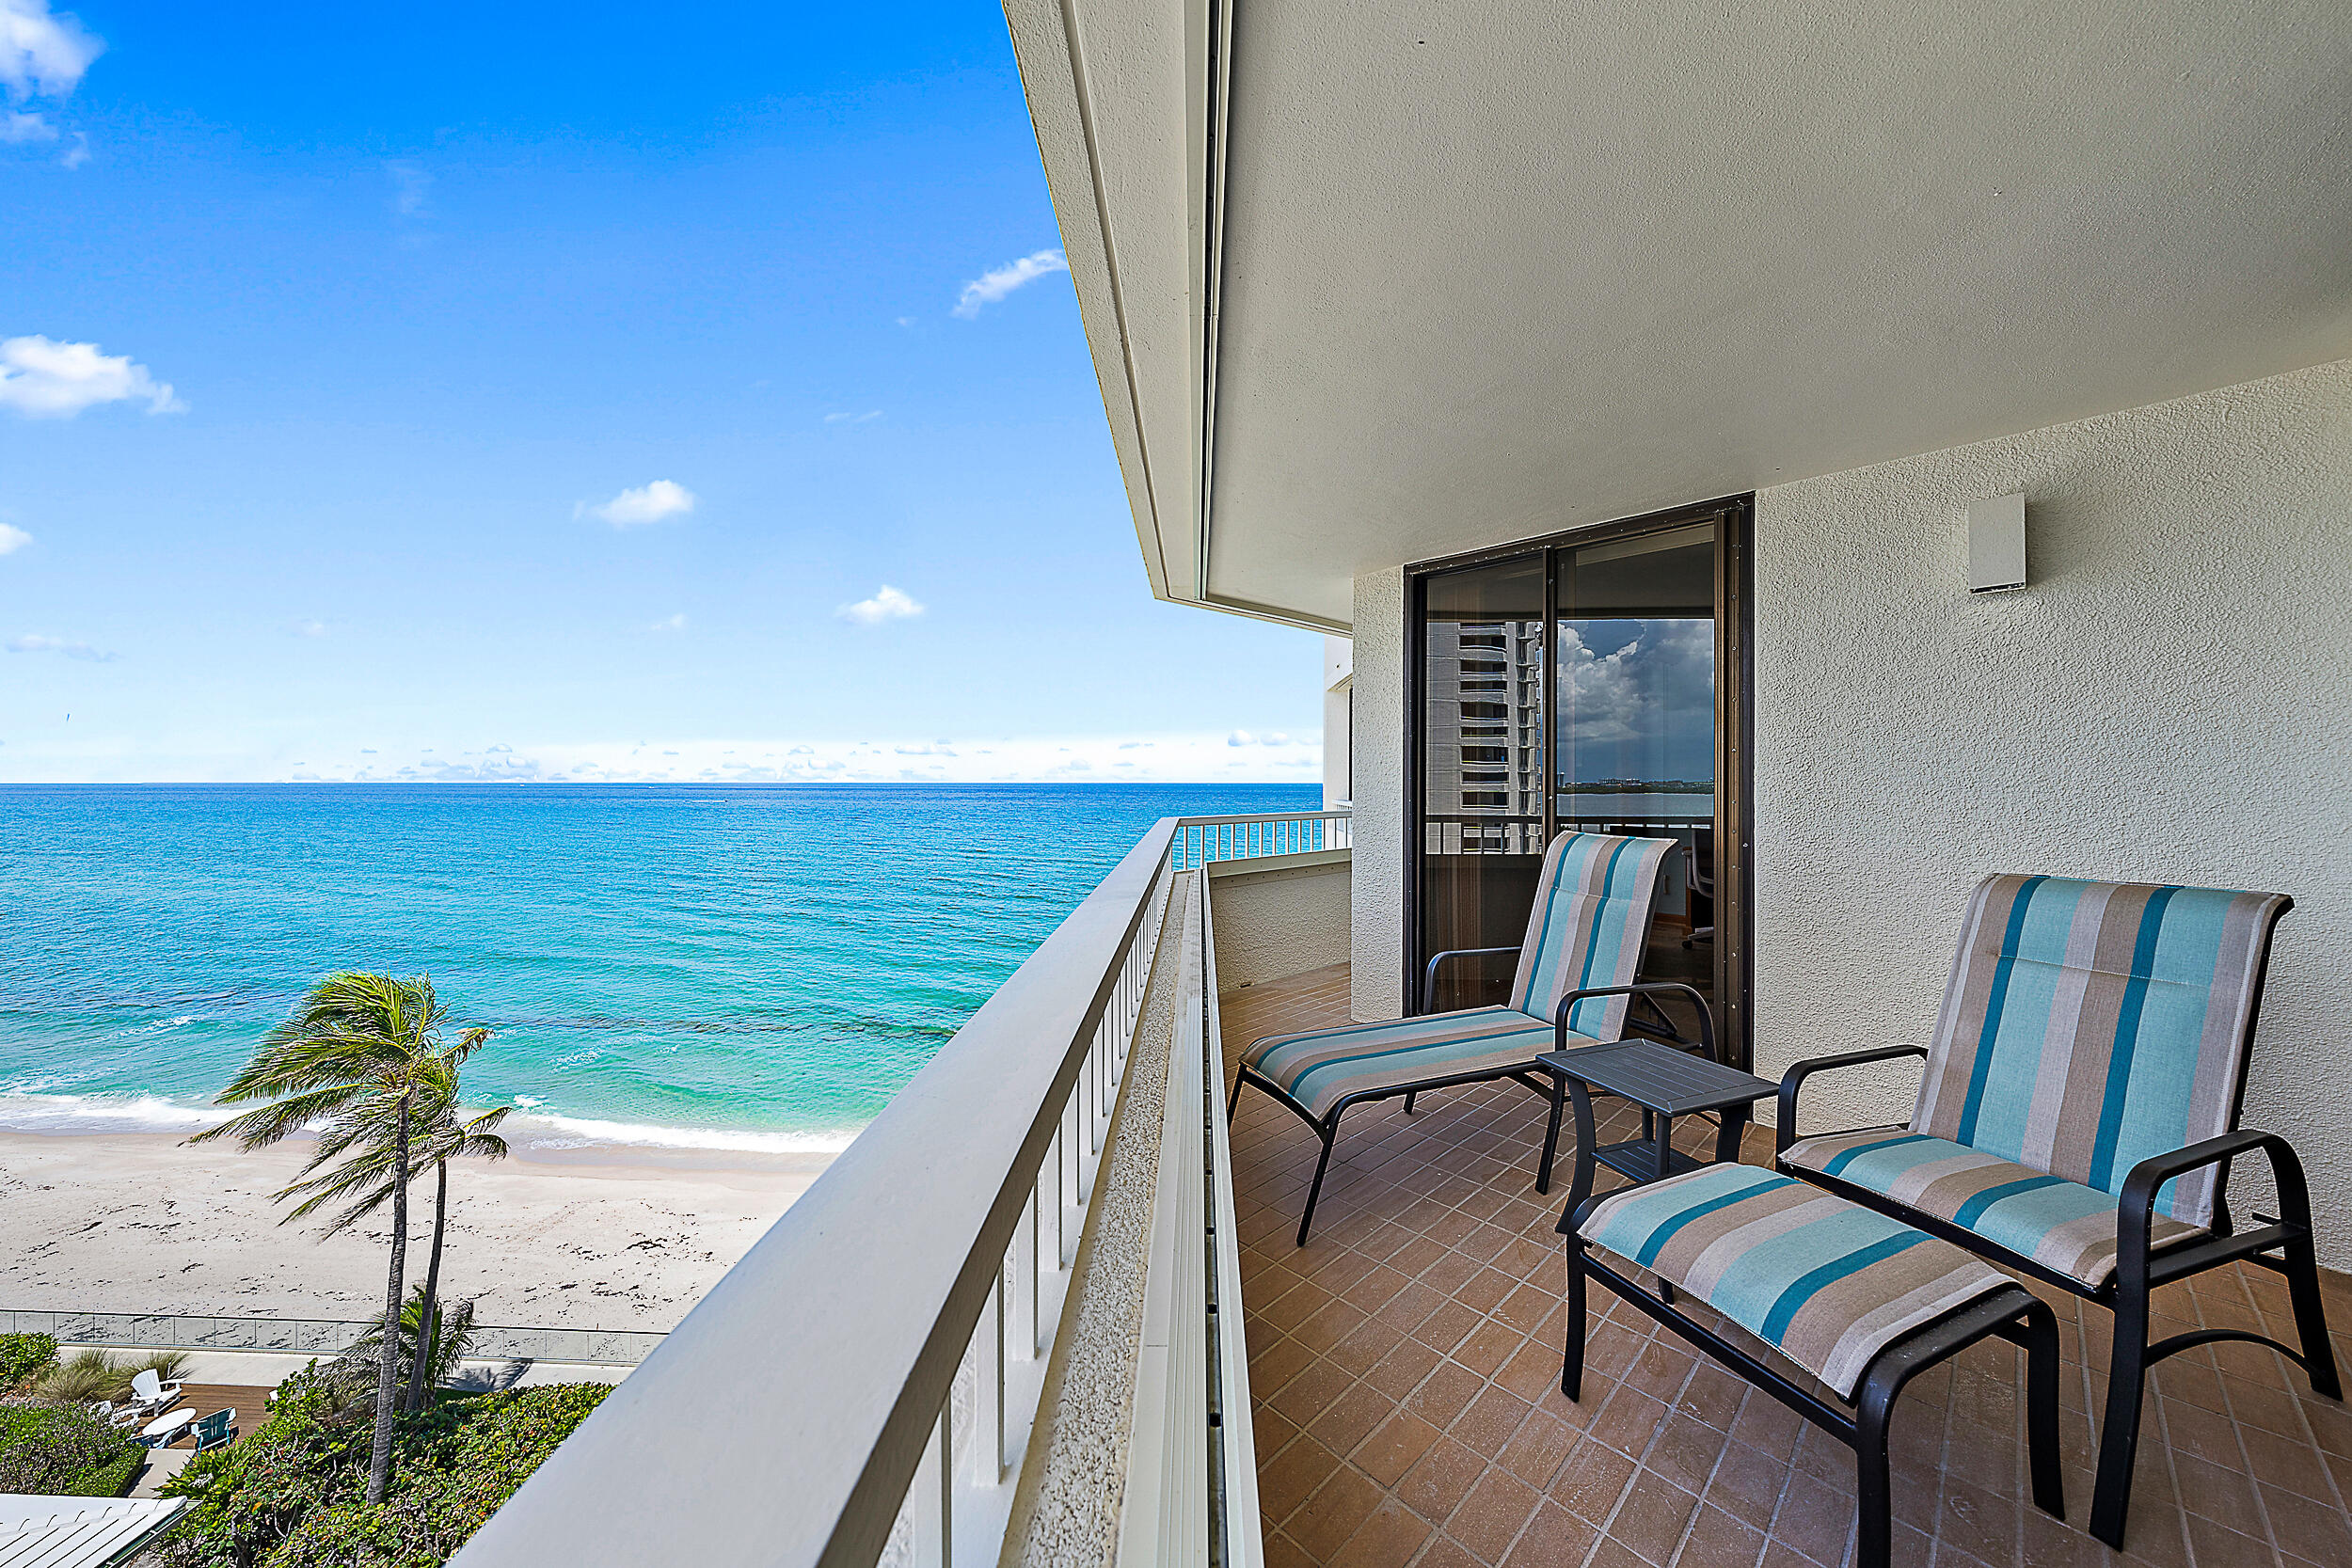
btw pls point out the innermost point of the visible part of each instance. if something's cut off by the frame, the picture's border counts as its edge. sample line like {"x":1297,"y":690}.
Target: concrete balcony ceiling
{"x":1455,"y":275}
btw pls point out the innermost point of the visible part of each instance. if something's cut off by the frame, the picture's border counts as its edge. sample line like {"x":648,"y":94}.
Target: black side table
{"x":1665,"y":1082}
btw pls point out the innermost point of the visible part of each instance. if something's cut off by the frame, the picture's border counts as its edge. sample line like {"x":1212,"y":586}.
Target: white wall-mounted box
{"x":1997,"y":543}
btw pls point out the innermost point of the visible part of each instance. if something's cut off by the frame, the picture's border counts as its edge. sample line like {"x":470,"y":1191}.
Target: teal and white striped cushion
{"x":1323,"y":1067}
{"x":1591,"y":917}
{"x":2090,"y":1025}
{"x":1827,"y":1283}
{"x":2059,"y":1223}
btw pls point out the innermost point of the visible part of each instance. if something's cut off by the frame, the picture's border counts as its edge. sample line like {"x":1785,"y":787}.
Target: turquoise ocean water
{"x":755,"y":967}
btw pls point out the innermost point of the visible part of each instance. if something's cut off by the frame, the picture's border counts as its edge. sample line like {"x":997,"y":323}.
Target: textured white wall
{"x":1376,"y":957}
{"x":1275,"y":923}
{"x":2169,"y":699}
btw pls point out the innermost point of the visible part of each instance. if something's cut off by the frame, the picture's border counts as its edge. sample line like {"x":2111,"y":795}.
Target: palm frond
{"x":270,"y":1123}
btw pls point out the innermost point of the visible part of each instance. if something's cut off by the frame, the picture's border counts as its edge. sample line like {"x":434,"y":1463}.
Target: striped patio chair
{"x":1585,"y":937}
{"x":2078,"y":1116}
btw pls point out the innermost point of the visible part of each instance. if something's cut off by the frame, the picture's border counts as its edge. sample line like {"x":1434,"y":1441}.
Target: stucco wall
{"x":1376,"y":957}
{"x":2169,"y":699}
{"x":1278,"y":921}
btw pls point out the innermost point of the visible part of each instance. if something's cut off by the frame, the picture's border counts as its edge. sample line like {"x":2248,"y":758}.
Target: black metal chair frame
{"x":2014,"y":1314}
{"x":1543,"y":1082}
{"x":2139,"y":1268}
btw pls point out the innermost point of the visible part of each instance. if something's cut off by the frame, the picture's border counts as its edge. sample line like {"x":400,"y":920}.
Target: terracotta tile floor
{"x":1405,"y":1372}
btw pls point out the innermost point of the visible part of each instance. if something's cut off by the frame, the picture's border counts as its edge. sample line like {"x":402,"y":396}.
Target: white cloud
{"x":32,"y":642}
{"x":670,"y":623}
{"x":12,"y":538}
{"x":77,"y":155}
{"x":412,"y":185}
{"x":648,"y":503}
{"x":23,"y":125}
{"x":1241,"y":737}
{"x":887,"y":604}
{"x":996,"y":283}
{"x":41,"y":55}
{"x":853,"y":419}
{"x":1641,"y":709}
{"x":309,"y":628}
{"x":40,"y":379}
{"x":1162,"y":756}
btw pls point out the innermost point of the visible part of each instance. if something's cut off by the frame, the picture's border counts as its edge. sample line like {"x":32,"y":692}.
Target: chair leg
{"x":2040,"y":1337}
{"x":1874,"y":1493}
{"x":1330,"y":1132}
{"x":1572,"y":1356}
{"x":2119,"y":1429}
{"x":2311,"y":1320}
{"x":1233,"y":1103}
{"x":1408,"y":1102}
{"x":1551,"y":1133}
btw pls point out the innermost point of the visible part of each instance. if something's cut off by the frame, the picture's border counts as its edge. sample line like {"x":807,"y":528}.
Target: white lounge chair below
{"x":151,"y":1390}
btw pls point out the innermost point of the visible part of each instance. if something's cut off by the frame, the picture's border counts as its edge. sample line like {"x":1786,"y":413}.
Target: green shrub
{"x":294,"y":1493}
{"x":112,"y":1480}
{"x":59,"y":1451}
{"x":84,"y":1376}
{"x":22,"y":1359}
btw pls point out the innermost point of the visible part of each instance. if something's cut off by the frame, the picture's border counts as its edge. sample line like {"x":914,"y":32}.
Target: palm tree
{"x":436,"y":1137}
{"x":434,"y":1352}
{"x":360,"y":1052}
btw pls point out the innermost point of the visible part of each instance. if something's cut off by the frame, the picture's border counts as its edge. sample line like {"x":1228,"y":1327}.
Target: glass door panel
{"x":1634,"y":739}
{"x":1482,"y":769}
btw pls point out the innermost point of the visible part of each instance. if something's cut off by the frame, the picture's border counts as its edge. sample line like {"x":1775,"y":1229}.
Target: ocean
{"x":697,"y":966}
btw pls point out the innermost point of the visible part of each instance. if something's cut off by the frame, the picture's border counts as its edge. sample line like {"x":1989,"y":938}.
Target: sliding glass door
{"x":1595,"y":682}
{"x":1482,"y":648}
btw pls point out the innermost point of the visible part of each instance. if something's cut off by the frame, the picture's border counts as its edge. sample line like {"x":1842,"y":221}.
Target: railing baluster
{"x":987,"y":1413}
{"x":1027,"y":1262}
{"x":932,"y":1500}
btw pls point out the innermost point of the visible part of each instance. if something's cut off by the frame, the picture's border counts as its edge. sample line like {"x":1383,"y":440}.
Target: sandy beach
{"x":581,"y":1237}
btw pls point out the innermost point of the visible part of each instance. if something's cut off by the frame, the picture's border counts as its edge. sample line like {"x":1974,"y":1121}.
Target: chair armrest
{"x":1429,"y":974}
{"x":1793,"y":1079}
{"x":2138,"y":1200}
{"x":1707,"y":1018}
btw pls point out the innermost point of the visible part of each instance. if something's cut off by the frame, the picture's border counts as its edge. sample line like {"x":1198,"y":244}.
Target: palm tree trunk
{"x":427,"y":1326}
{"x":387,"y":1361}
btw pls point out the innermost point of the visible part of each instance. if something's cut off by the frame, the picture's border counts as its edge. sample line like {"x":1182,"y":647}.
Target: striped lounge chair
{"x":1861,"y":1302}
{"x":1584,"y":940}
{"x":2079,"y":1118}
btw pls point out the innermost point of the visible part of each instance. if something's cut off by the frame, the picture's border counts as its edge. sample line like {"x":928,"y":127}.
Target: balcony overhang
{"x":1384,"y":281}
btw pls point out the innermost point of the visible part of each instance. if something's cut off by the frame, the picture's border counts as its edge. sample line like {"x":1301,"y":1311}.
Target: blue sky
{"x":557,"y":390}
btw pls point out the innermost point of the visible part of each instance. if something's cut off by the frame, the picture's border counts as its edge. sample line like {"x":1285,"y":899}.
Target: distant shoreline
{"x":534,"y":1133}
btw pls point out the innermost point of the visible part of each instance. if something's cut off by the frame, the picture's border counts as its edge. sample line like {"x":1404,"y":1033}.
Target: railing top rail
{"x":783,"y":1421}
{"x":1263,"y":816}
{"x":365,"y":1324}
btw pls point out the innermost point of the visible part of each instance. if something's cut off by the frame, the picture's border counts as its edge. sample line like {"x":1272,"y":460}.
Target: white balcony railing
{"x":1201,"y":839}
{"x":866,"y":1386}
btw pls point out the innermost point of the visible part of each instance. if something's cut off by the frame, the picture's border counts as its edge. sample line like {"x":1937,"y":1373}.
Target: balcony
{"x":1049,"y":1308}
{"x":1404,"y":1368}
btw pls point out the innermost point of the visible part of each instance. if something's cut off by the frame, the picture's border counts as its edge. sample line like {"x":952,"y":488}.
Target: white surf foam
{"x":28,"y":1111}
{"x":544,"y":1131}
{"x":23,"y":1108}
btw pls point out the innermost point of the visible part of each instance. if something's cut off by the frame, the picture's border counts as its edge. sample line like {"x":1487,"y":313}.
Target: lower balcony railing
{"x":908,"y":1368}
{"x":1202,"y":839}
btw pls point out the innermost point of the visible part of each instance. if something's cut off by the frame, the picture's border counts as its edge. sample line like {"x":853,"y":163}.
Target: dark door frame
{"x":1735,"y":725}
